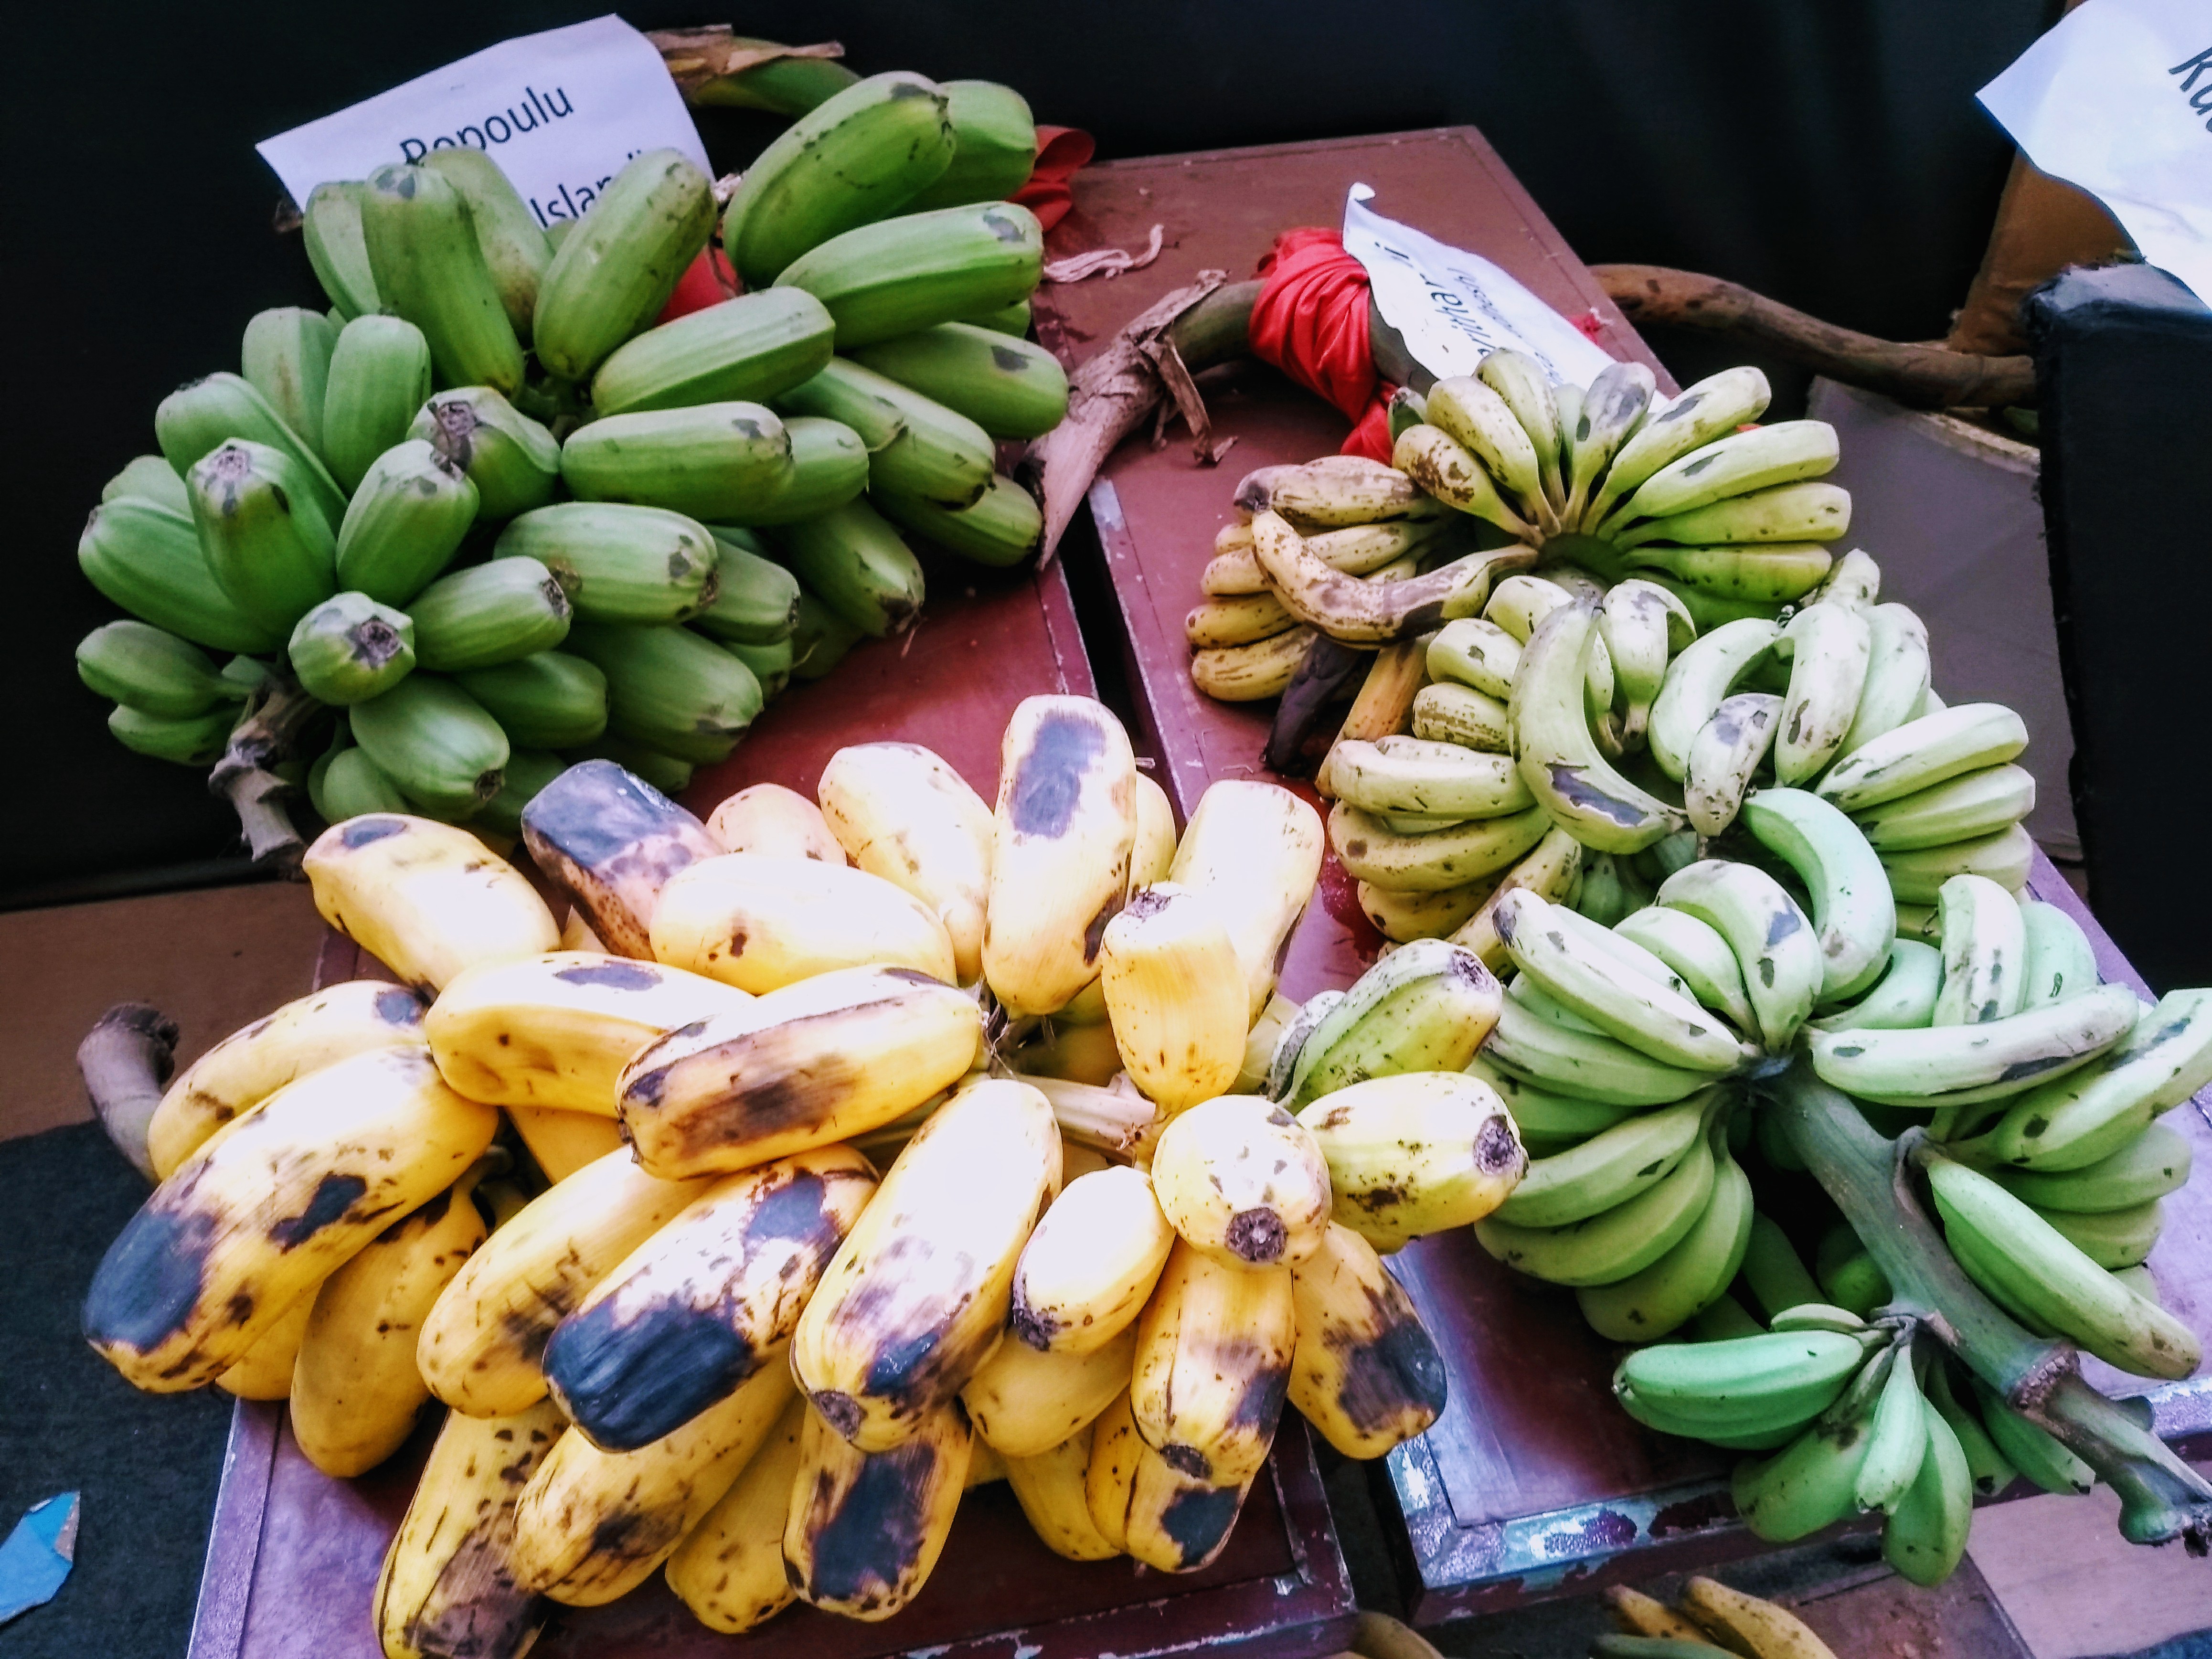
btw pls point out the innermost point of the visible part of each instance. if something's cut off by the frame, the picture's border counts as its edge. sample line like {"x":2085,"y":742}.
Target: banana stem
{"x":277,"y":716}
{"x":126,"y":1060}
{"x":1870,"y":1178}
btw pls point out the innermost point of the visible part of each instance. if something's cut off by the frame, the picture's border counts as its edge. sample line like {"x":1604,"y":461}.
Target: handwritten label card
{"x":560,"y":112}
{"x":1454,"y":307}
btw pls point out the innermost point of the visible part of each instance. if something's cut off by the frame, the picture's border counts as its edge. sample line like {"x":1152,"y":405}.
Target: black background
{"x":1831,"y":155}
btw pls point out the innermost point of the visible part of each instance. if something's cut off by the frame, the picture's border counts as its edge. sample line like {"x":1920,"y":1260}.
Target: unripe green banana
{"x":819,"y":639}
{"x":266,"y":542}
{"x":618,"y":564}
{"x":551,"y":701}
{"x":1612,"y":408}
{"x":1775,"y":944}
{"x":1929,"y":750}
{"x":147,"y":559}
{"x":1698,"y":681}
{"x":2113,"y":1239}
{"x":1896,"y":677}
{"x":346,"y":784}
{"x":1918,"y":875}
{"x":1477,"y":417}
{"x":488,"y":615}
{"x":1965,"y":1065}
{"x":1548,"y":1122}
{"x":1010,"y":388}
{"x":1966,"y":807}
{"x":1762,"y":575}
{"x":195,"y":740}
{"x":429,"y":270}
{"x":1002,"y":528}
{"x":993,"y":148}
{"x":1642,"y":625}
{"x":1829,"y":648}
{"x":828,"y":467}
{"x":1984,"y":953}
{"x":857,"y":563}
{"x":715,"y":461}
{"x":1856,"y":582}
{"x":917,"y":447}
{"x":1581,"y":1063}
{"x":2028,"y":1449}
{"x":1987,"y":1468}
{"x":349,"y":648}
{"x":1903,"y":998}
{"x":1608,"y":1168}
{"x":1712,"y":408}
{"x":1778,"y":1278}
{"x":1576,"y":786}
{"x":145,"y":668}
{"x":1811,"y":1484}
{"x":782,"y":86}
{"x":1012,"y":319}
{"x":858,"y":157}
{"x":527,"y":772}
{"x":149,"y":478}
{"x":1615,"y":1243}
{"x":1852,"y":911}
{"x":770,"y":664}
{"x":193,"y":420}
{"x":755,"y":599}
{"x":404,"y":524}
{"x":378,"y":376}
{"x":1733,"y":465}
{"x":1774,"y":1381}
{"x":1804,"y":512}
{"x":670,"y":689}
{"x":435,"y":743}
{"x":747,"y":349}
{"x":331,"y":227}
{"x":512,"y":460}
{"x":285,"y":357}
{"x":1689,"y":1278}
{"x":1897,"y":1440}
{"x":1474,"y":653}
{"x":1423,"y":1008}
{"x":1698,"y":954}
{"x":2061,"y":961}
{"x":1728,"y":750}
{"x":893,"y":277}
{"x":513,"y":245}
{"x":611,"y":275}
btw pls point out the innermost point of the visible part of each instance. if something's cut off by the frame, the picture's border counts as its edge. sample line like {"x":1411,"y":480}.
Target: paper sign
{"x":2117,"y":99}
{"x":560,"y":112}
{"x":1454,"y":307}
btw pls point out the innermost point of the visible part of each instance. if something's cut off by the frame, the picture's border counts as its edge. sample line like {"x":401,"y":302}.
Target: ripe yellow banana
{"x":1365,"y":1372}
{"x":480,"y":1345}
{"x":1090,"y":1263}
{"x":449,"y":1585}
{"x":1740,"y":1622}
{"x":775,"y":822}
{"x":1024,"y":1403}
{"x":1256,"y":849}
{"x":425,"y":899}
{"x":563,"y":1142}
{"x":865,"y":1529}
{"x":556,"y":1030}
{"x":592,"y":1525}
{"x":1417,"y":1153}
{"x":916,"y":1296}
{"x":356,"y":1389}
{"x":266,"y":1210}
{"x":902,"y":813}
{"x":1175,"y":995}
{"x":1049,"y":1487}
{"x":1243,"y":1183}
{"x":1141,"y":1503}
{"x":696,"y":1310}
{"x":1214,"y":1361}
{"x":265,"y":1370}
{"x":817,"y":1062}
{"x":763,"y":923}
{"x":1249,"y":673}
{"x":1153,"y":856}
{"x":729,"y":1570}
{"x":250,"y":1065}
{"x":1063,"y":837}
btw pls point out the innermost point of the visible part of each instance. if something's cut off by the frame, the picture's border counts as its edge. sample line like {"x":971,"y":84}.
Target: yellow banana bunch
{"x":900,"y":813}
{"x":1090,"y":1266}
{"x":556,"y":1030}
{"x":775,"y":822}
{"x":1255,"y":850}
{"x":1141,"y":1503}
{"x":867,"y":1529}
{"x":1243,"y":1183}
{"x":266,"y":1210}
{"x":1365,"y":1372}
{"x":763,"y":923}
{"x":1175,"y":995}
{"x":1023,"y":1402}
{"x":250,"y":1065}
{"x":916,"y":1298}
{"x":729,"y":1570}
{"x":356,"y":1388}
{"x":1213,"y":1360}
{"x":425,"y":899}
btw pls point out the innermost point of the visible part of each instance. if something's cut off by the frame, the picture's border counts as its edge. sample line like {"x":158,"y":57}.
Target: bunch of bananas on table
{"x":500,"y":519}
{"x":827,"y":1230}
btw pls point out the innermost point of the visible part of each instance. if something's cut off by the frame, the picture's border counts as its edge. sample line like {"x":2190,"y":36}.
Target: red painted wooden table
{"x":1534,"y":1483}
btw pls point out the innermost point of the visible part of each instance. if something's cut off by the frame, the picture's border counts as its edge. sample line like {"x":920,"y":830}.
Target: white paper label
{"x":1454,"y":307}
{"x":560,"y":112}
{"x":2117,"y":99}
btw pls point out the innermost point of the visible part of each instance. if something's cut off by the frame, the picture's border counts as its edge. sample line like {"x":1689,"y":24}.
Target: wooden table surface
{"x":1532,"y":1483}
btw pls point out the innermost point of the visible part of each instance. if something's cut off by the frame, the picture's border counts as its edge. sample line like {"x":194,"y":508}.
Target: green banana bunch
{"x":1777,"y":946}
{"x":1773,"y":1382}
{"x":1698,"y":680}
{"x":488,"y":614}
{"x":1549,"y":1123}
{"x":612,"y":273}
{"x":405,"y":523}
{"x":515,"y":250}
{"x":196,"y":419}
{"x":549,"y":700}
{"x":618,"y":564}
{"x":1424,"y":1008}
{"x":856,"y":562}
{"x":1853,"y":913}
{"x":1002,"y":528}
{"x":435,"y":743}
{"x":268,"y":546}
{"x":747,"y":349}
{"x":912,"y":272}
{"x":1578,"y":788}
{"x":1728,"y":749}
{"x":1925,"y":1537}
{"x":349,"y":649}
{"x":670,"y":689}
{"x":710,"y":461}
{"x":429,"y":269}
{"x":285,"y":357}
{"x":1896,"y":1438}
{"x":1814,"y":1481}
{"x":514,"y":461}
{"x":331,"y":227}
{"x":155,"y":672}
{"x":147,"y":559}
{"x":1690,"y":1279}
{"x":1614,"y":1244}
{"x":377,"y":378}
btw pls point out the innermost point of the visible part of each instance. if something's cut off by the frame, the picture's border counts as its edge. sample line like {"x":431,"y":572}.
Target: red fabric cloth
{"x":1062,"y":152}
{"x":1310,"y":321}
{"x":708,"y":282}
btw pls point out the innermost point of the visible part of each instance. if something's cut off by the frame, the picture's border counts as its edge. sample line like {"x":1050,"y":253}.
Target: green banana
{"x":1010,"y":388}
{"x":512,"y":460}
{"x":2154,"y":1163}
{"x":1423,"y":1008}
{"x":1984,"y":953}
{"x":435,"y":743}
{"x":429,"y":270}
{"x":1733,"y":465}
{"x":611,"y":275}
{"x":2023,"y":1260}
{"x":404,"y":524}
{"x":1432,"y":861}
{"x":1988,"y":1469}
{"x":527,"y":772}
{"x":1829,"y":646}
{"x":149,"y":478}
{"x":1698,"y":954}
{"x":346,"y":784}
{"x":782,"y":86}
{"x":1777,"y":946}
{"x":1903,"y":998}
{"x":856,"y":562}
{"x":1445,"y":469}
{"x":1856,"y":582}
{"x":747,"y":349}
{"x":514,"y":245}
{"x":349,"y":648}
{"x":1916,"y":876}
{"x":1689,"y":1278}
{"x":194,"y":420}
{"x":1612,"y":407}
{"x":1728,"y":749}
{"x":195,"y":740}
{"x":1896,"y":675}
{"x":1778,"y":1278}
{"x":1549,"y":1123}
{"x":993,"y":150}
{"x":1474,"y":653}
{"x":1968,"y":806}
{"x":859,"y":157}
{"x":1698,"y":682}
{"x":268,"y":547}
{"x":154,"y":672}
{"x":1519,"y":603}
{"x":1897,"y":1439}
{"x":1723,"y":1321}
{"x":1608,"y":1168}
{"x":147,"y":559}
{"x":1850,"y":1279}
{"x":819,"y":639}
{"x":1925,"y":1537}
{"x":1642,"y":626}
{"x":549,"y":701}
{"x":1577,"y":787}
{"x":1776,"y":1380}
{"x":712,"y":461}
{"x":1965,"y":1065}
{"x":1012,"y":319}
{"x":1852,"y":911}
{"x":1808,"y":511}
{"x":1767,"y":575}
{"x":755,"y":599}
{"x":2061,"y":961}
{"x":1400,"y":774}
{"x":618,"y":564}
{"x":916,"y":447}
{"x":1929,"y":750}
{"x":1712,"y":408}
{"x":1476,"y":417}
{"x":1811,"y":1484}
{"x":285,"y":357}
{"x":1520,"y":379}
{"x":2113,"y":1239}
{"x":488,"y":614}
{"x":1588,"y":1064}
{"x":1461,"y":714}
{"x":911,"y":272}
{"x":1003,"y":527}
{"x":331,"y":227}
{"x":770,"y":664}
{"x":1712,"y":610}
{"x":1616,"y":1243}
{"x":1819,"y":1316}
{"x":829,"y":468}
{"x":377,"y":378}
{"x":2029,"y":1449}
{"x":670,"y":689}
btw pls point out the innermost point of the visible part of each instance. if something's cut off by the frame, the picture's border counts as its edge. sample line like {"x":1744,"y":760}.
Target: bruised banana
{"x":1141,"y":1503}
{"x":1212,"y":1365}
{"x":1362,"y":612}
{"x":865,"y":1529}
{"x":1364,"y":1371}
{"x":609,"y":841}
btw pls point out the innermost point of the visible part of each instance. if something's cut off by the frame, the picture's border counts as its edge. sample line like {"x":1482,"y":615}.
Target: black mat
{"x":148,"y":1465}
